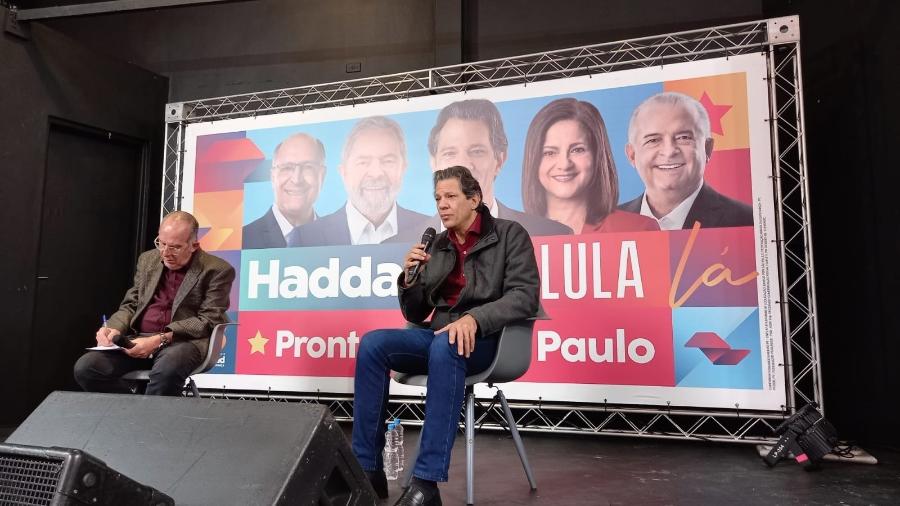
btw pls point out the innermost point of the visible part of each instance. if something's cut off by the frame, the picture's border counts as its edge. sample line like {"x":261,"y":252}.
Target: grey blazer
{"x":199,"y":305}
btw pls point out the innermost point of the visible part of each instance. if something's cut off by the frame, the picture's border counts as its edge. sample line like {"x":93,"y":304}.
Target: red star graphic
{"x":715,"y":113}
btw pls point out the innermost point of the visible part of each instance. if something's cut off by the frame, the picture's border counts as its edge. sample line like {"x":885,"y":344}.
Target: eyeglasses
{"x":306,"y":168}
{"x":170,"y":247}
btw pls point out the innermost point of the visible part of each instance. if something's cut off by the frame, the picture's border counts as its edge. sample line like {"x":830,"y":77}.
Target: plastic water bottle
{"x":401,"y":454}
{"x":393,"y":454}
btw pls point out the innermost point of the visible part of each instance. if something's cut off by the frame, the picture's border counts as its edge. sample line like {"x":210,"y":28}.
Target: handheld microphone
{"x":427,"y":239}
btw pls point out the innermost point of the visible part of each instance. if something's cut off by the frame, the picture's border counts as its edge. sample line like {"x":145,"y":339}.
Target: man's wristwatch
{"x":163,"y":340}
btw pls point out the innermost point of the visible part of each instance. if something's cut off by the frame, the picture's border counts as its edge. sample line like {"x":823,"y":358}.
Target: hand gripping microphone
{"x":427,"y":239}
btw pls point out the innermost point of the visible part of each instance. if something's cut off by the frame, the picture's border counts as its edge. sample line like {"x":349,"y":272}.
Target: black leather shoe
{"x":417,"y":496}
{"x":379,"y":483}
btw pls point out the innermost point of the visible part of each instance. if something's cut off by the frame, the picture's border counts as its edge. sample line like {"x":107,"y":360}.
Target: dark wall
{"x":230,"y":48}
{"x":240,"y":47}
{"x":851,"y":76}
{"x":501,"y":28}
{"x":53,"y":76}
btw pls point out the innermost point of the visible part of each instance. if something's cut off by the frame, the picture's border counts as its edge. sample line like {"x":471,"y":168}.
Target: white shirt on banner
{"x":362,"y":231}
{"x":283,"y":222}
{"x":675,"y":219}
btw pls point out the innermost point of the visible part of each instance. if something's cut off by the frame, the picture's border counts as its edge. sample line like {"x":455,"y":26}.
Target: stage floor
{"x":600,"y":470}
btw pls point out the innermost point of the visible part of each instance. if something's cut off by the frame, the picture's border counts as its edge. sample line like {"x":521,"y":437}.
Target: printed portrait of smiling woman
{"x":568,"y":172}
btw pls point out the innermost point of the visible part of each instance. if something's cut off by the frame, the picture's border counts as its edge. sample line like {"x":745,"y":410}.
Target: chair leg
{"x":193,"y":387}
{"x":139,"y":387}
{"x":470,"y":445}
{"x":411,"y":464}
{"x":520,"y":448}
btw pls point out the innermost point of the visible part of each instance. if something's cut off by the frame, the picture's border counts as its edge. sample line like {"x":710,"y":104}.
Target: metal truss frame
{"x":777,"y":38}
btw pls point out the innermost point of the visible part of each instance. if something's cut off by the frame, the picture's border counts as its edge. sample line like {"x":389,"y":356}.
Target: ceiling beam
{"x":110,"y":7}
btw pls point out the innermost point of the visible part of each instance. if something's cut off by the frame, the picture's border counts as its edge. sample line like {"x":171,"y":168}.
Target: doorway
{"x":91,"y":226}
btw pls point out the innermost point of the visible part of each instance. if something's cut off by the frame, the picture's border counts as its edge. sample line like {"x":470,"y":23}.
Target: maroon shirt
{"x":159,"y":312}
{"x":456,"y":280}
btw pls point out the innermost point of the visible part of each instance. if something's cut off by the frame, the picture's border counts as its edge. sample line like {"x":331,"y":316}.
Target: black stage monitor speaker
{"x":207,"y":451}
{"x":61,"y":476}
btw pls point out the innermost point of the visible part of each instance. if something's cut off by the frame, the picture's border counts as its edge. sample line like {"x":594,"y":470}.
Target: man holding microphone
{"x":480,"y":275}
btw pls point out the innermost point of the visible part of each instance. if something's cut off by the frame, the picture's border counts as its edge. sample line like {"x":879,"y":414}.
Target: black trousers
{"x":102,"y":371}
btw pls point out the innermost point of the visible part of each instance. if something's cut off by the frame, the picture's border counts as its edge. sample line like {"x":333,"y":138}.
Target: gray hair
{"x":373,"y":123}
{"x":672,"y":98}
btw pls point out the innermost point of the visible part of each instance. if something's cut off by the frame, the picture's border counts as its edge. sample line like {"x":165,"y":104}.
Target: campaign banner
{"x":647,"y":194}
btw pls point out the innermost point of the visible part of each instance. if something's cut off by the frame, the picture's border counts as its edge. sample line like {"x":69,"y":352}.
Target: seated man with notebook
{"x":179,"y":294}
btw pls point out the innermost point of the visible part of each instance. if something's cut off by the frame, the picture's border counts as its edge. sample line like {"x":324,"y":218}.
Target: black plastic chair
{"x":510,"y":362}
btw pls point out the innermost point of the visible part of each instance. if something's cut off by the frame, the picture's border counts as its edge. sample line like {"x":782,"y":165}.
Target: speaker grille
{"x":28,"y":480}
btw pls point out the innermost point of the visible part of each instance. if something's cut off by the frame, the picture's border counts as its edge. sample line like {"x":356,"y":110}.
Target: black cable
{"x":845,"y":451}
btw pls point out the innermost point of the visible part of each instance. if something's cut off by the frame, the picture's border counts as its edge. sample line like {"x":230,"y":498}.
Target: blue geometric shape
{"x":738,"y":326}
{"x":258,"y":199}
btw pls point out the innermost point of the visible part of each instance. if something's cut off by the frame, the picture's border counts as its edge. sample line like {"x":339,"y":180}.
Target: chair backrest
{"x":216,"y":345}
{"x":513,"y":354}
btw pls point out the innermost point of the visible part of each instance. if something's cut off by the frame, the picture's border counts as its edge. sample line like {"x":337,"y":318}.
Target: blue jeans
{"x":415,"y":351}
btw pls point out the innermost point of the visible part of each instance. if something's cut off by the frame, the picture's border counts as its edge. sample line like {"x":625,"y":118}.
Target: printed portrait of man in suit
{"x":669,"y":144}
{"x":297,"y":173}
{"x":372,"y":166}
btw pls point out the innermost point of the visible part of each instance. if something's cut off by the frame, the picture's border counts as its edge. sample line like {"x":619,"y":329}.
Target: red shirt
{"x":159,"y":312}
{"x":456,"y":280}
{"x":622,"y":221}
